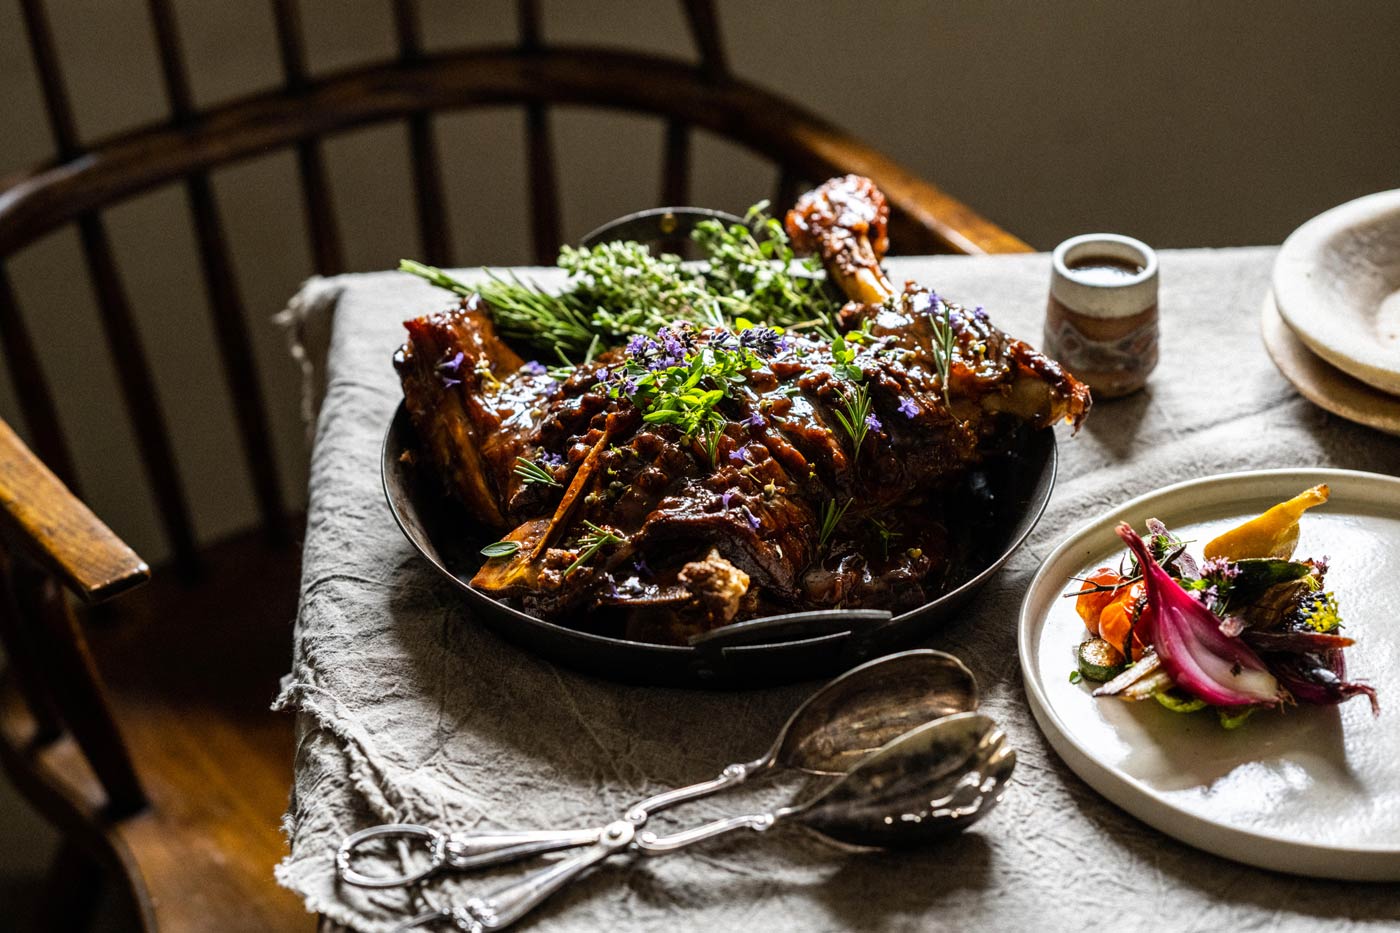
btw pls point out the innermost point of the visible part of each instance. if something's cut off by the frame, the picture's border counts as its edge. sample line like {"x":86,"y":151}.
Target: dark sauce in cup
{"x":1103,"y":270}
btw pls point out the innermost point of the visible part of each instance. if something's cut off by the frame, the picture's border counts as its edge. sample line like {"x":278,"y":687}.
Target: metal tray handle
{"x":792,"y":626}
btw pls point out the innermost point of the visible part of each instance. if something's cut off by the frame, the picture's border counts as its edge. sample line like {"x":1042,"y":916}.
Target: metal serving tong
{"x":926,"y":784}
{"x":907,"y":757}
{"x":835,"y":728}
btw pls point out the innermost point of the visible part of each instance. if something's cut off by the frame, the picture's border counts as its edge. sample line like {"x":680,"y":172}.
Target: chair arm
{"x":58,"y":531}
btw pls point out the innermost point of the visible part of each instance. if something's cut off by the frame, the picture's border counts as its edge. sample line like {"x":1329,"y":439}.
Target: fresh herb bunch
{"x":754,"y":276}
{"x":621,"y":289}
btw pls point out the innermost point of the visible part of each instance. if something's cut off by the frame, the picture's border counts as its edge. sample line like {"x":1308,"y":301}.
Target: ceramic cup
{"x":1101,"y":321}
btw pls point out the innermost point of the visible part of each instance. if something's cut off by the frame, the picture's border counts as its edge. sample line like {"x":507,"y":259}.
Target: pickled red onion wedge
{"x":1201,"y":659}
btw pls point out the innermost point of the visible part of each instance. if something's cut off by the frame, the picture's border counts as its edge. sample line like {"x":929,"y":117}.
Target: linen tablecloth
{"x":410,"y":711}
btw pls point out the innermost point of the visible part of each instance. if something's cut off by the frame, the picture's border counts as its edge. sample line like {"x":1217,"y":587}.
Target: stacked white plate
{"x":1332,"y":323}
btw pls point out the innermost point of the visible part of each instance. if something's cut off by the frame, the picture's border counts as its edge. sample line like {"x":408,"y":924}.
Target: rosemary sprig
{"x":944,"y":341}
{"x":854,"y":415}
{"x":532,"y":472}
{"x":831,"y":517}
{"x":591,"y":544}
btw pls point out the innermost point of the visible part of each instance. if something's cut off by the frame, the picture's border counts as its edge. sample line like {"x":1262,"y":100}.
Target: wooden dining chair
{"x":141,"y":729}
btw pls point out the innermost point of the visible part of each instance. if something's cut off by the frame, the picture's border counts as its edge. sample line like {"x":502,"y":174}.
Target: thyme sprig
{"x":532,"y":472}
{"x":595,"y":540}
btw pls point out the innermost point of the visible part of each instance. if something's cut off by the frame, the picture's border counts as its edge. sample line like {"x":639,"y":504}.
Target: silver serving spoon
{"x":836,"y":727}
{"x":924,"y":785}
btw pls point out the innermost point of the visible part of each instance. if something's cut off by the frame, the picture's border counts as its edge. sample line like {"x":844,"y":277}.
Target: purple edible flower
{"x":753,"y":519}
{"x":550,"y":458}
{"x":640,"y":565}
{"x":1218,"y":568}
{"x":629,"y":385}
{"x":755,"y":420}
{"x":727,"y":498}
{"x":907,"y":408}
{"x":533,"y":368}
{"x":673,"y":351}
{"x":637,"y":345}
{"x":763,"y":340}
{"x":451,"y":364}
{"x":737,"y":455}
{"x":872,"y":422}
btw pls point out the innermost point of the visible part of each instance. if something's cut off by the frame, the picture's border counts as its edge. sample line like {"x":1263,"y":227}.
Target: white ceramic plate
{"x":1310,"y":790}
{"x":1322,"y":383}
{"x":1337,"y":284}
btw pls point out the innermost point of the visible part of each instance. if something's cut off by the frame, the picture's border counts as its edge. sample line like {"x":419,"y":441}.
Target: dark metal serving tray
{"x":1010,"y":494}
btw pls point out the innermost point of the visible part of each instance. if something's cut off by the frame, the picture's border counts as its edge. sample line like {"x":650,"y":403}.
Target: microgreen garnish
{"x":501,"y":548}
{"x":532,"y":472}
{"x":844,"y":360}
{"x":831,"y":517}
{"x":675,"y":382}
{"x":591,"y":544}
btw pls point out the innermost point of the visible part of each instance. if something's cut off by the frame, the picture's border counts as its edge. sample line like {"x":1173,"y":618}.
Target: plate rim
{"x":1290,"y":281}
{"x":1131,"y":795}
{"x":1277,"y":334}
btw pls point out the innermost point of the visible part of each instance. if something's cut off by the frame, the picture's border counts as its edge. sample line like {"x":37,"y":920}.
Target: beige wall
{"x":1181,"y":123}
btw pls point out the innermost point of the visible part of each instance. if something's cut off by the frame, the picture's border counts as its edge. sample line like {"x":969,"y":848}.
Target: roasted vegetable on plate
{"x":1249,"y":628}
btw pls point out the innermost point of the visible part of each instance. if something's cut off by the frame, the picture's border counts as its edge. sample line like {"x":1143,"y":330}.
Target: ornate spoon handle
{"x":729,"y":777}
{"x":505,"y":905}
